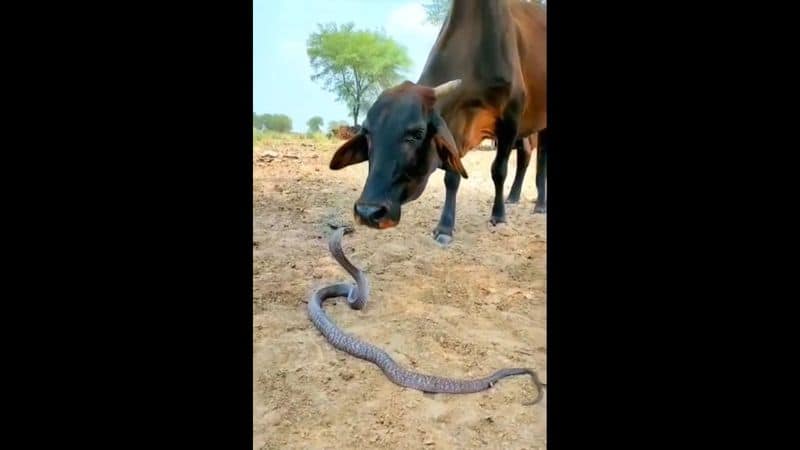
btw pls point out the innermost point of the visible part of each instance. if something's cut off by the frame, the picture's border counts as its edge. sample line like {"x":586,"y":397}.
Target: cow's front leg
{"x":506,"y":134}
{"x":444,"y":231}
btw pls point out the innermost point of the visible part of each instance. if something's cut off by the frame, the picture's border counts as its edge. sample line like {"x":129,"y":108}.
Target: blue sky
{"x":281,"y":70}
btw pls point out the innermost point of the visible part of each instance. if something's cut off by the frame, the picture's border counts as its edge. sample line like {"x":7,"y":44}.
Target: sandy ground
{"x":461,"y":312}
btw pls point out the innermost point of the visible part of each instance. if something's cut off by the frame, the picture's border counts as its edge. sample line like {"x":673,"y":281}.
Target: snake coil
{"x":357,"y":296}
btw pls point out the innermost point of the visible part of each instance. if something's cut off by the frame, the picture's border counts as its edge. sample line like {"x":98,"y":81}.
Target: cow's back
{"x":530,"y":22}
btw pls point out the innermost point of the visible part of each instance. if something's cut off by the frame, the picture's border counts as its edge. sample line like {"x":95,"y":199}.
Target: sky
{"x":281,"y":69}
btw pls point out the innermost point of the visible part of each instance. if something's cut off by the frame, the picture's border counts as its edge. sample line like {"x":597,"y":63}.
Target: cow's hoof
{"x":540,"y":209}
{"x":497,"y":220}
{"x":444,"y":239}
{"x":512,"y":200}
{"x":500,"y":228}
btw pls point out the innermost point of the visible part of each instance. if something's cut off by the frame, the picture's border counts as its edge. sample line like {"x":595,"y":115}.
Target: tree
{"x":314,"y":124}
{"x":355,"y":65}
{"x":274,"y":122}
{"x":335,"y":124}
{"x":258,"y":121}
{"x":279,"y":122}
{"x":437,"y":10}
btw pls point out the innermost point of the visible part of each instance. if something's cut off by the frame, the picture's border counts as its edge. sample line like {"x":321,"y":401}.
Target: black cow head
{"x":404,"y":139}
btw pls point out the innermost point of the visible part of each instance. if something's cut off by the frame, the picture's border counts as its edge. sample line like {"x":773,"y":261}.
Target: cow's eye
{"x":415,"y":135}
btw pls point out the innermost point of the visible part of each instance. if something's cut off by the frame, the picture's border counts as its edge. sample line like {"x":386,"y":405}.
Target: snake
{"x":357,"y":296}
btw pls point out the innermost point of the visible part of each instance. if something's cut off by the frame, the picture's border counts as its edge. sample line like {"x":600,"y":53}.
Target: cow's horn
{"x":445,"y":88}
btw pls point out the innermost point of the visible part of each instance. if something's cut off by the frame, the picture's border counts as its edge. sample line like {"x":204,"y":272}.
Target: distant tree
{"x":437,"y":10}
{"x":280,"y":122}
{"x":274,"y":122}
{"x":355,"y":65}
{"x":258,"y":121}
{"x":335,"y":124}
{"x":315,"y":124}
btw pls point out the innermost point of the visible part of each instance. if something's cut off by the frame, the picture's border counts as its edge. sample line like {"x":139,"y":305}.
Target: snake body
{"x":357,"y":298}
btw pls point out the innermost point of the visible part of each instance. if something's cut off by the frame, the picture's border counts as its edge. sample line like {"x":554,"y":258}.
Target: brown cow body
{"x":489,"y":70}
{"x":345,"y":132}
{"x":498,"y":49}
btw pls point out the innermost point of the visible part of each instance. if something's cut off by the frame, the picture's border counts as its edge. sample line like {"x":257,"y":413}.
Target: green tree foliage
{"x":274,"y":122}
{"x":258,"y":121}
{"x":436,"y":10}
{"x":355,"y":65}
{"x":315,"y":124}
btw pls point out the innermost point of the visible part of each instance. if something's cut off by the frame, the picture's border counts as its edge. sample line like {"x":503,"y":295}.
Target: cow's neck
{"x":475,"y":45}
{"x":471,"y":36}
{"x":466,"y":11}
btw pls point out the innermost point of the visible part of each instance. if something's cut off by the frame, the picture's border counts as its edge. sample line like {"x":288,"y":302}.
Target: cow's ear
{"x":446,"y":146}
{"x":351,"y":152}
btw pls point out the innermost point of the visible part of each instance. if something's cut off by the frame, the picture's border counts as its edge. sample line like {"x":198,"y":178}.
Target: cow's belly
{"x":533,"y":121}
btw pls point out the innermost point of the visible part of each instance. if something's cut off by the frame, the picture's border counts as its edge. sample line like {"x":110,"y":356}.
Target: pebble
{"x":346,"y":376}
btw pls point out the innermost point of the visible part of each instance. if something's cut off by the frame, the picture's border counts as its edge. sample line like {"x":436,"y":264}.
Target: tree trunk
{"x":356,"y":110}
{"x":358,"y":98}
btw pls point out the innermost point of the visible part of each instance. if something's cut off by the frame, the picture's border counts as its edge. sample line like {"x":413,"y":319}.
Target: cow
{"x":344,"y":132}
{"x":485,"y":77}
{"x":524,"y":147}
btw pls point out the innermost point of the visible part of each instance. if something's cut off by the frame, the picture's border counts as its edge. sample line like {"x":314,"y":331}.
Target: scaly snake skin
{"x":357,"y":298}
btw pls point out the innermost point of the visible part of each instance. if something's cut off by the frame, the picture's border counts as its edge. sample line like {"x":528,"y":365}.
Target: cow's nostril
{"x":371,"y":213}
{"x":380,"y":213}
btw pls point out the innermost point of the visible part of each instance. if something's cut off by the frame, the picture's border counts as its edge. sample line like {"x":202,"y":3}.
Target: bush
{"x":274,"y":122}
{"x":259,"y":136}
{"x":317,"y":137}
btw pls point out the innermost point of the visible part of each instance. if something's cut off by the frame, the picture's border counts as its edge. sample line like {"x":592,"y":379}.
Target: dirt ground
{"x":460,"y":312}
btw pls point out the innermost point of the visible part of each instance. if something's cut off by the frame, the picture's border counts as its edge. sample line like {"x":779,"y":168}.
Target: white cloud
{"x":409,"y":19}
